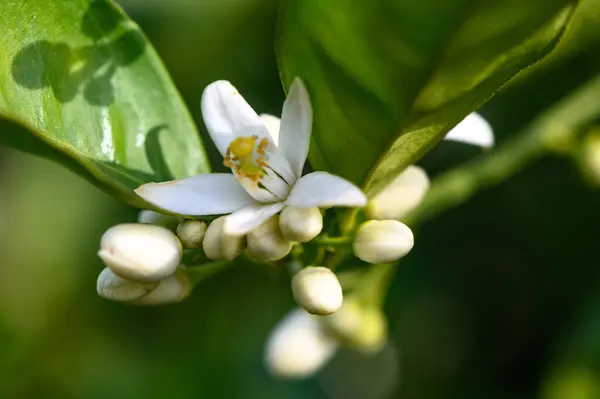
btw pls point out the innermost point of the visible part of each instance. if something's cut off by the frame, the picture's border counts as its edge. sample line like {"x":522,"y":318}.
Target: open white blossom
{"x":298,"y":346}
{"x":474,"y":130}
{"x":266,"y":164}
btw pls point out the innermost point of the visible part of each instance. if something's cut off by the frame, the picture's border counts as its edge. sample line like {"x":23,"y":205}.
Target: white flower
{"x":140,"y":252}
{"x":298,"y":346}
{"x":472,"y":130}
{"x":266,"y":242}
{"x":401,"y":196}
{"x":382,"y":241}
{"x":171,"y":289}
{"x":266,"y":164}
{"x":317,"y":290}
{"x":191,"y":233}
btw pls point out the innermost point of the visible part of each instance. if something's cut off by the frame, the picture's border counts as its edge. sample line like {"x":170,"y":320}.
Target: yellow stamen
{"x":240,"y":157}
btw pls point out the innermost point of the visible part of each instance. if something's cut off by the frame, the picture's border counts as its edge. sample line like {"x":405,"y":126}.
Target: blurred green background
{"x":499,"y":299}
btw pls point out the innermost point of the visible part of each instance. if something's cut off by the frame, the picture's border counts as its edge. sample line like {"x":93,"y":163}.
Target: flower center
{"x":240,"y":157}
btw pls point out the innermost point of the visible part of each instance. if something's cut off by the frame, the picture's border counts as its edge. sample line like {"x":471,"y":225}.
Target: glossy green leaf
{"x":93,"y":95}
{"x":389,"y":78}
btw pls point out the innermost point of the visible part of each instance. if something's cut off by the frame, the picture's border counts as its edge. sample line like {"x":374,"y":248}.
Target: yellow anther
{"x":240,"y":157}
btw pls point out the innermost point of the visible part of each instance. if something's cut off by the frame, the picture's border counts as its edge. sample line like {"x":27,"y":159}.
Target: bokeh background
{"x":499,"y":299}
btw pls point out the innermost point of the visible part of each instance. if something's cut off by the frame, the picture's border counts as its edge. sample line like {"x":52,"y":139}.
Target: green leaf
{"x":93,"y":95}
{"x":388,"y":79}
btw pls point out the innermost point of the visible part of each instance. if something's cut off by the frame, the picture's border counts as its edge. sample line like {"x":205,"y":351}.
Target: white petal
{"x":275,"y":185}
{"x":298,"y":347}
{"x":296,"y":127}
{"x":473,"y":130}
{"x":323,"y":189}
{"x":227,"y":115}
{"x":250,"y":217}
{"x":258,"y":193}
{"x":272,"y":124}
{"x":210,"y":194}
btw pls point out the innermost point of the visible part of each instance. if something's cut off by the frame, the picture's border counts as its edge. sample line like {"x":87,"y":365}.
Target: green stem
{"x":460,"y":184}
{"x":374,"y":284}
{"x":553,"y":131}
{"x":333,"y":241}
{"x":197,"y":274}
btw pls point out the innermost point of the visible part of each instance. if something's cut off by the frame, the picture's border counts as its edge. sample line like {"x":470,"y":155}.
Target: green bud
{"x":191,"y":233}
{"x":358,"y":326}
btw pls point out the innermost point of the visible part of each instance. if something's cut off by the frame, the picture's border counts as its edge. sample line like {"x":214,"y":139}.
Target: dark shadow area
{"x":155,"y":156}
{"x":87,"y":69}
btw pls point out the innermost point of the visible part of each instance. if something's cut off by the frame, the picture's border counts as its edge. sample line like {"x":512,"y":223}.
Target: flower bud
{"x":300,"y":224}
{"x":150,"y":217}
{"x":219,"y":245}
{"x":266,"y":242}
{"x":401,"y":196}
{"x":110,"y":286}
{"x":590,"y":160}
{"x":191,"y":233}
{"x":317,"y":290}
{"x":361,"y":327}
{"x":140,"y":252}
{"x":382,"y":241}
{"x":298,"y":346}
{"x":172,"y":289}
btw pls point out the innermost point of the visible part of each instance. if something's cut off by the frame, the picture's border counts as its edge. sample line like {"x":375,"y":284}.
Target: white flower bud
{"x":266,"y":242}
{"x":591,"y":156}
{"x":360,"y":327}
{"x":172,"y":289}
{"x":219,"y":245}
{"x":300,"y":224}
{"x":191,"y":233}
{"x":383,"y":241}
{"x":140,"y":252}
{"x":401,"y":196}
{"x":150,"y":217}
{"x":169,"y":290}
{"x":317,"y":290}
{"x":115,"y":288}
{"x":298,"y":346}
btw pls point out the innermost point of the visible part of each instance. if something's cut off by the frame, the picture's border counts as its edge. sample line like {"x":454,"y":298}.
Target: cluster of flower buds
{"x":301,"y":343}
{"x":270,"y":241}
{"x":142,"y":265}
